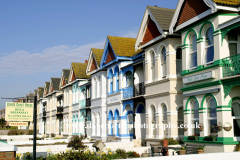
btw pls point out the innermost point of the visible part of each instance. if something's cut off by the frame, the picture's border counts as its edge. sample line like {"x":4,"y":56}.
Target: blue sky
{"x":40,"y":38}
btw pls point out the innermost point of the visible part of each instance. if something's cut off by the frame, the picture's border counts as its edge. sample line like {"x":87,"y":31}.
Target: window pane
{"x":179,"y":53}
{"x":213,"y":127}
{"x":209,"y":37}
{"x":212,"y":108}
{"x":193,"y":43}
{"x":193,"y":58}
{"x":232,"y":36}
{"x":163,"y":55}
{"x":209,"y":54}
{"x":233,"y":48}
{"x":196,"y":115}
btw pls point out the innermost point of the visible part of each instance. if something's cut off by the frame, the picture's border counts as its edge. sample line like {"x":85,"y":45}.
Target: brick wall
{"x":93,"y":65}
{"x":8,"y":155}
{"x":110,"y":56}
{"x":190,"y":9}
{"x":151,"y":32}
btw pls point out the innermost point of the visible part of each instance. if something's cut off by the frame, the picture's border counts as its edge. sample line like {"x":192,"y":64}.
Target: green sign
{"x":19,"y":111}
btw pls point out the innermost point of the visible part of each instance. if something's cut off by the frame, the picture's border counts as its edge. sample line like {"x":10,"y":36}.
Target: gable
{"x":190,"y":9}
{"x":63,"y":82}
{"x":73,"y":77}
{"x":151,"y":32}
{"x":93,"y":65}
{"x":110,"y":55}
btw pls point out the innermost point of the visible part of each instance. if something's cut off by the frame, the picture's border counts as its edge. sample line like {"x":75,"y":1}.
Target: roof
{"x":55,"y":83}
{"x":40,"y":92}
{"x":122,"y":46}
{"x":80,"y":70}
{"x":97,"y":55}
{"x":228,"y":2}
{"x":163,"y":16}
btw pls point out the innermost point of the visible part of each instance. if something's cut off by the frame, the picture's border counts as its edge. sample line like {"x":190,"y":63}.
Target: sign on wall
{"x":19,"y":111}
{"x":199,"y":77}
{"x":18,"y":124}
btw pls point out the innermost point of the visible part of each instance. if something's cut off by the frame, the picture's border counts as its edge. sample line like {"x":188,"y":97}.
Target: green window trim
{"x":224,"y":31}
{"x":222,"y":110}
{"x":224,"y":107}
{"x":200,"y":68}
{"x":204,"y":21}
{"x":203,"y":25}
{"x":233,"y":99}
{"x":208,"y":95}
{"x":192,"y":97}
{"x":202,"y":108}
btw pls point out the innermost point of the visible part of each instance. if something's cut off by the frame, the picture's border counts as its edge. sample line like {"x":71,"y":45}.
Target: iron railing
{"x":139,"y":89}
{"x":44,"y":113}
{"x":231,"y":66}
{"x":59,"y":109}
{"x":88,"y":102}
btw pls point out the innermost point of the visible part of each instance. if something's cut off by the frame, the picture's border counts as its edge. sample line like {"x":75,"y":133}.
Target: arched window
{"x":236,"y":117}
{"x":163,"y":62}
{"x":153,"y":121}
{"x":193,"y":51}
{"x":164,"y":118}
{"x":98,"y":86}
{"x":110,"y":79}
{"x":179,"y":60}
{"x":116,"y":73}
{"x":212,"y":116}
{"x":130,"y":123}
{"x":180,"y":122}
{"x":152,"y":55}
{"x":209,"y":45}
{"x":195,"y":117}
{"x":129,"y":79}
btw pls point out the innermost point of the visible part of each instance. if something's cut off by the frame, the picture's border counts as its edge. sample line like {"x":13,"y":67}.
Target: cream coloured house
{"x":163,"y":82}
{"x":210,"y":70}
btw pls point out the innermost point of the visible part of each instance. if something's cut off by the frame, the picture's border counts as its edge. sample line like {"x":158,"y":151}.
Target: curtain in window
{"x":193,"y":51}
{"x":209,"y":48}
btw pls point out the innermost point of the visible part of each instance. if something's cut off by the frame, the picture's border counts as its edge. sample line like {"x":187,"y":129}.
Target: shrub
{"x":76,"y":143}
{"x":121,"y":152}
{"x":21,"y":132}
{"x":30,"y":132}
{"x":52,"y":135}
{"x":13,"y":132}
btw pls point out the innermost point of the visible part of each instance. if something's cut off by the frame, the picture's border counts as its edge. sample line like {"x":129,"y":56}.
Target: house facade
{"x":210,"y":68}
{"x":98,"y":95}
{"x":162,"y":68}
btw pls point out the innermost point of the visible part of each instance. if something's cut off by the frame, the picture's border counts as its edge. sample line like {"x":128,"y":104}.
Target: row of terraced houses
{"x":182,"y":69}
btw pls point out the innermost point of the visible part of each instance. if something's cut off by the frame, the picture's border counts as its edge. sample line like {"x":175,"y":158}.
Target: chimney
{"x":85,"y":61}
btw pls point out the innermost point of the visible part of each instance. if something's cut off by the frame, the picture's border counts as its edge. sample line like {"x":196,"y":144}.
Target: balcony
{"x":127,"y":92}
{"x":231,"y":66}
{"x":59,"y":110}
{"x":88,"y":102}
{"x":44,"y":113}
{"x":139,"y":89}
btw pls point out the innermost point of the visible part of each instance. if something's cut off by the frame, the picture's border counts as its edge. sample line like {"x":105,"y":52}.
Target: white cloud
{"x":49,"y":60}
